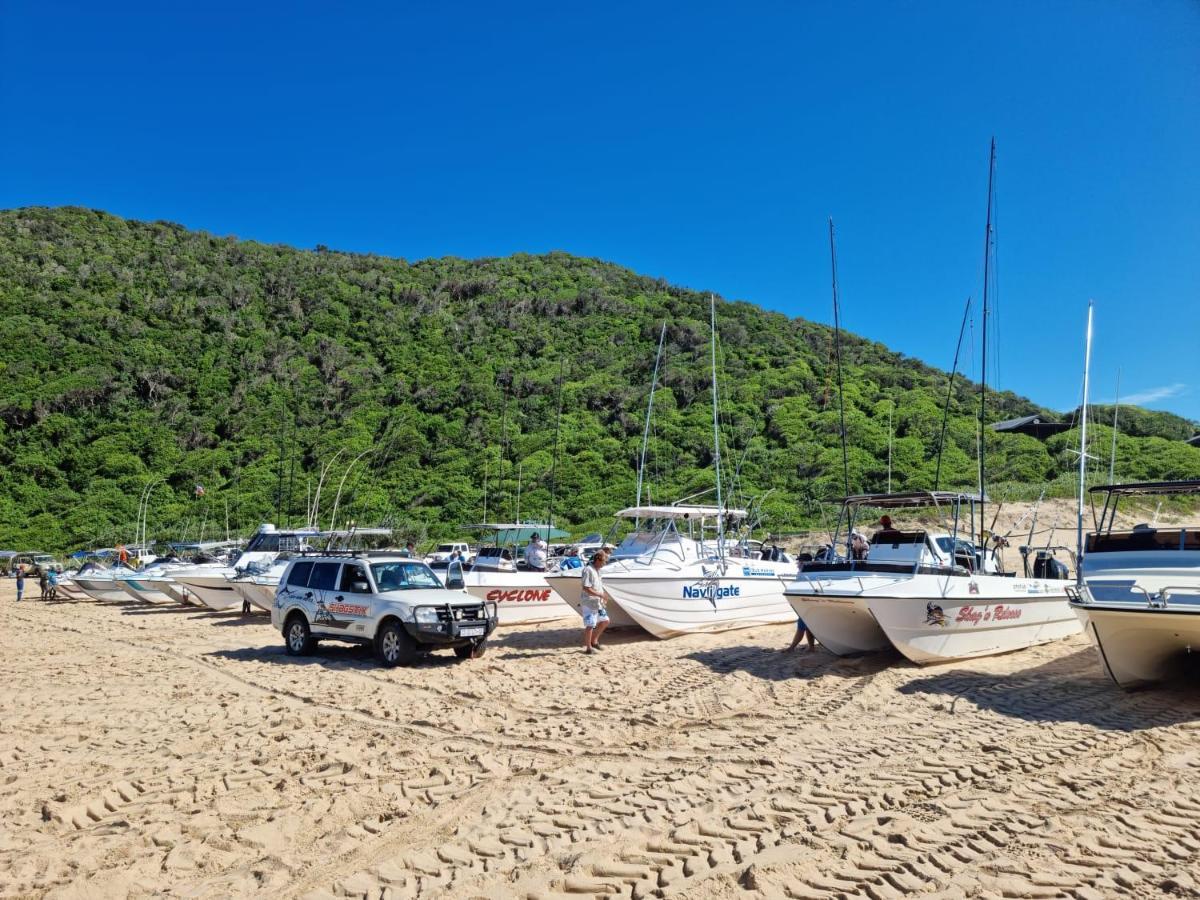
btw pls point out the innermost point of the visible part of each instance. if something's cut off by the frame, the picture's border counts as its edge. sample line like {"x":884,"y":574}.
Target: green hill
{"x":137,"y":350}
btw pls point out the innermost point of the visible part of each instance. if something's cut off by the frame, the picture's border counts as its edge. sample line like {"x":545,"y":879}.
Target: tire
{"x":394,"y":646}
{"x":470,"y":651}
{"x":297,"y":637}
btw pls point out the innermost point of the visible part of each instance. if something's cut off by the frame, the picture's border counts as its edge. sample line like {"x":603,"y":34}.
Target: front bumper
{"x":456,"y":625}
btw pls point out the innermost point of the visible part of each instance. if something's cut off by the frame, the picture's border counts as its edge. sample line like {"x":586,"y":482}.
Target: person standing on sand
{"x":591,"y":603}
{"x":43,"y":582}
{"x":20,"y":581}
{"x":802,"y":631}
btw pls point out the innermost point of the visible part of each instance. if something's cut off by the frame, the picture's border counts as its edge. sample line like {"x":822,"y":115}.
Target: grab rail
{"x":1164,"y":593}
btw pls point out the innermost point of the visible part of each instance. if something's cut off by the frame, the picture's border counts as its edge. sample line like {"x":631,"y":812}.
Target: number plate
{"x":471,"y":631}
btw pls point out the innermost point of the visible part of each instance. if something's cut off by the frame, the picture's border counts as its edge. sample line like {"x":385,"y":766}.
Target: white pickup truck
{"x":391,"y":601}
{"x":440,"y":558}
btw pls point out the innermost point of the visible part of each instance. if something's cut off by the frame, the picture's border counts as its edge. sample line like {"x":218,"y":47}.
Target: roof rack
{"x":352,"y":554}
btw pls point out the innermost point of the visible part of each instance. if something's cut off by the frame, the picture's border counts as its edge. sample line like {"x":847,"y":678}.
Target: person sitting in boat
{"x":887,"y":533}
{"x":536,"y":552}
{"x":859,"y":546}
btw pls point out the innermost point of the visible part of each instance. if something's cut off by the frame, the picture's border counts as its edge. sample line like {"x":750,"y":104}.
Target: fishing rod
{"x":937,"y":478}
{"x":649,"y":409}
{"x":562,"y":364}
{"x":987,"y":258}
{"x":837,"y":343}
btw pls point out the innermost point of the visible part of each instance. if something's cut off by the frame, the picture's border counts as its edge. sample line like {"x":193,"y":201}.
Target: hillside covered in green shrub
{"x":142,"y":350}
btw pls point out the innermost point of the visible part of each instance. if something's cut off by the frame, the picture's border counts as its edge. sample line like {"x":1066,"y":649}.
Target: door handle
{"x":340,"y":599}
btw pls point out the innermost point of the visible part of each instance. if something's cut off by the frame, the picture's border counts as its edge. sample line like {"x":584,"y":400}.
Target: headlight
{"x":426,"y":616}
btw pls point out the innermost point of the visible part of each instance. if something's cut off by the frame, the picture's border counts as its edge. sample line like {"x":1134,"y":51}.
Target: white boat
{"x":674,"y":574}
{"x":257,"y":587}
{"x":212,"y":585}
{"x":104,"y":584}
{"x":139,"y":588}
{"x":929,"y":593}
{"x":498,"y":574}
{"x":1139,"y":592}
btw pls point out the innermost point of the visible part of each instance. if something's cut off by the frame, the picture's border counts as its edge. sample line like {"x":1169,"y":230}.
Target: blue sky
{"x":703,"y":142}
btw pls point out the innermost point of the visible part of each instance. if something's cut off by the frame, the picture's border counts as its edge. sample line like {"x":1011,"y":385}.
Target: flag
{"x":199,"y":490}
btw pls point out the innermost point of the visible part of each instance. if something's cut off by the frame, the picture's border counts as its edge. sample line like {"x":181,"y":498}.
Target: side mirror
{"x":454,"y":577}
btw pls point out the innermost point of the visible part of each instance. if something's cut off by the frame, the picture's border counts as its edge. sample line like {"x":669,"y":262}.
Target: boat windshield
{"x":403,"y":576}
{"x":494,"y":553}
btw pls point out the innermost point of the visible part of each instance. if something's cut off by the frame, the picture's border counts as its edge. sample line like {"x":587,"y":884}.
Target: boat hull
{"x":213,"y":591}
{"x":843,"y":625}
{"x":1139,"y":644}
{"x":973,"y":626}
{"x":931,"y":617}
{"x":173,"y":589}
{"x":260,"y":595}
{"x":670,"y":605}
{"x":566,"y":584}
{"x":107,"y":590}
{"x":520,"y":597}
{"x":141,"y":590}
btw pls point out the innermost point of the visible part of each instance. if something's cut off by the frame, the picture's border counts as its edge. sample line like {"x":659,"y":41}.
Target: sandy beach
{"x":163,"y":751}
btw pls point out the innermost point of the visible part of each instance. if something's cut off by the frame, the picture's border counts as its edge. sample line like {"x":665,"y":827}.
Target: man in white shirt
{"x":591,"y":602}
{"x":536,"y":552}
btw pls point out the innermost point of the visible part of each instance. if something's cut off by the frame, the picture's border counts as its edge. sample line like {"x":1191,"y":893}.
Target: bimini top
{"x":1149,"y":488}
{"x":519,"y":531}
{"x":910,"y":499}
{"x":678,"y":512}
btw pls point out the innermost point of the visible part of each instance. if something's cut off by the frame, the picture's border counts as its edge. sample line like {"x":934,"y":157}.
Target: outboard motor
{"x":1047,"y":567}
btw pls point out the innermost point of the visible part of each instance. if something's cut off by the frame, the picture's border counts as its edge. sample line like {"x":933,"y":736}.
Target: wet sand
{"x":171,"y":751}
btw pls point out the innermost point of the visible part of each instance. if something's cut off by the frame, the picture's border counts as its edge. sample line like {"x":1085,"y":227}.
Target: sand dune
{"x":153,"y":750}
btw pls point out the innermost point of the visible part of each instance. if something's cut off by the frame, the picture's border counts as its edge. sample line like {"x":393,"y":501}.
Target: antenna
{"x":891,"y":413}
{"x":1087,"y":360}
{"x":987,"y":257}
{"x":562,"y":363}
{"x":1112,"y":458}
{"x":649,"y":408}
{"x":837,"y":344}
{"x":937,"y":478}
{"x":712,"y":299}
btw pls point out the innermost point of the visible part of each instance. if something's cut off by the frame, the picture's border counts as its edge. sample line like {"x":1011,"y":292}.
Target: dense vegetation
{"x":139,"y":350}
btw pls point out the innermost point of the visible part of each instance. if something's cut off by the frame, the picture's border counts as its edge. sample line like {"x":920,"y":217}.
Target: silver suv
{"x":387,"y":599}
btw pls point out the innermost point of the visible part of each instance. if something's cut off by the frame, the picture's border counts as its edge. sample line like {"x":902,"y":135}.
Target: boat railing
{"x":1164,"y":594}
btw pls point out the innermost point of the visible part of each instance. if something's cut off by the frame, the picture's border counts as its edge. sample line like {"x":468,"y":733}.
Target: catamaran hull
{"x":261,"y":596}
{"x":1140,"y":645}
{"x":107,"y":590}
{"x":213,"y":591}
{"x":973,"y":626}
{"x":520,"y":597}
{"x":173,"y":589}
{"x":568,"y":585}
{"x":140,"y":589}
{"x":668,"y":607}
{"x":931,"y":618}
{"x":71,"y":591}
{"x":843,"y":625}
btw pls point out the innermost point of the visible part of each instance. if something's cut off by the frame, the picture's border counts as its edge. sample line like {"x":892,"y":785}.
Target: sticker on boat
{"x":934,"y":615}
{"x":520,"y":596}
{"x":708,"y":592}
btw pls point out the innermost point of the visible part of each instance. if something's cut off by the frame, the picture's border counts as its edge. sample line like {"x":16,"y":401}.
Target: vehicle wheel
{"x":297,"y":636}
{"x":394,"y":646}
{"x":470,"y":651}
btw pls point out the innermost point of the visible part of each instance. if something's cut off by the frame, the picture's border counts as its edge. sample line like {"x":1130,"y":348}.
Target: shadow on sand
{"x":1067,"y":689}
{"x":551,"y":641}
{"x":331,"y":655}
{"x":771,"y":664}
